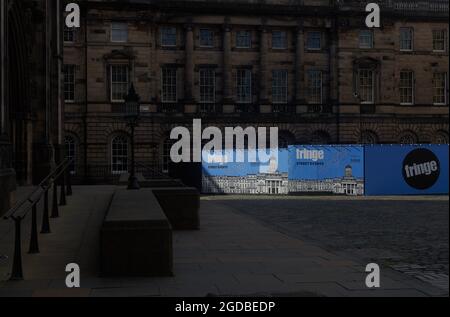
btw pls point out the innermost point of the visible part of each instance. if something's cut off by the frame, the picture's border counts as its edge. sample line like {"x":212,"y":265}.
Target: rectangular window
{"x":315,"y":86}
{"x":366,"y":85}
{"x":440,"y":88}
{"x":366,"y":39}
{"x":168,"y":36}
{"x":406,"y":87}
{"x":243,"y":39}
{"x":69,"y":35}
{"x":406,"y":39}
{"x":279,"y":40}
{"x":169,"y":84}
{"x":244,"y":86}
{"x":69,"y":83}
{"x":119,"y":82}
{"x":206,"y":38}
{"x":280,"y":86}
{"x":439,"y":40}
{"x":314,"y":40}
{"x":207,"y":85}
{"x":119,"y":32}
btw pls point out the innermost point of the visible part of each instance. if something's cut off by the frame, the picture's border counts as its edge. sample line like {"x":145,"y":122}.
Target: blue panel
{"x":406,"y":170}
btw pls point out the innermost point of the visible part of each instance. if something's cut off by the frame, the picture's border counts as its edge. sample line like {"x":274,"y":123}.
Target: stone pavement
{"x":232,"y":254}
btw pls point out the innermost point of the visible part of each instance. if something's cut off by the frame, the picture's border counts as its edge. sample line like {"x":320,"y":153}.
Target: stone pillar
{"x":300,"y":91}
{"x":263,"y":67}
{"x":189,"y":65}
{"x":227,"y":92}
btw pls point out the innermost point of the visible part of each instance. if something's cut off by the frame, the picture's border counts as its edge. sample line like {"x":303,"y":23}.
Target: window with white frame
{"x":279,"y":39}
{"x":69,"y":34}
{"x":169,"y":84}
{"x":119,"y":32}
{"x":119,"y":154}
{"x":315,"y":86}
{"x":314,"y":40}
{"x":69,"y":83}
{"x":366,"y":85}
{"x":440,"y":88}
{"x":244,"y":85}
{"x":206,"y":38}
{"x":406,"y":39}
{"x":406,"y":87}
{"x":439,"y":40}
{"x":119,"y":82}
{"x":366,"y":39}
{"x":207,"y":85}
{"x":243,"y":39}
{"x":168,"y":36}
{"x":279,"y":86}
{"x":71,"y":152}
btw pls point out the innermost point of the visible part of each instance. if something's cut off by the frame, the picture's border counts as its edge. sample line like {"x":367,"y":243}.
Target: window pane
{"x":71,"y":146}
{"x":279,"y":39}
{"x":119,"y":155}
{"x":207,"y":86}
{"x":366,"y":85}
{"x":69,"y":82}
{"x":439,"y":40}
{"x":168,"y":36}
{"x":206,"y":38}
{"x":439,"y":88}
{"x":406,"y":87}
{"x":366,"y":39}
{"x":169,"y":84}
{"x":244,"y":86}
{"x":243,"y":39}
{"x":314,"y":40}
{"x":119,"y":32}
{"x":119,"y":82}
{"x":279,"y":86}
{"x":315,"y":86}
{"x":69,"y":34}
{"x":406,"y":39}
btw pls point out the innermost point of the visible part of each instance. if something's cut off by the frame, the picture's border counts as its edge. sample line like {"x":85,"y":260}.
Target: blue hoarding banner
{"x":222,"y":174}
{"x":326,"y":169}
{"x":406,"y":170}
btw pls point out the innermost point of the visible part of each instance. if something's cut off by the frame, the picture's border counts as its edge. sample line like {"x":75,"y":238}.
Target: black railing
{"x":319,"y":108}
{"x":21,"y":210}
{"x":150,"y":171}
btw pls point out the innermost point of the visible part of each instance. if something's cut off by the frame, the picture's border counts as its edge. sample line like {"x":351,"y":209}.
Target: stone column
{"x":189,"y":65}
{"x":300,"y":91}
{"x":263,"y":68}
{"x":227,"y":92}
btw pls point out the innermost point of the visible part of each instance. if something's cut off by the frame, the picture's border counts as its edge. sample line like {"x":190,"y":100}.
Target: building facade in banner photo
{"x":326,"y":170}
{"x":222,"y":175}
{"x":407,"y":170}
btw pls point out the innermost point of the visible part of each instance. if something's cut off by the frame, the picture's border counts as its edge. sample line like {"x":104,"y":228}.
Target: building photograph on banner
{"x":407,"y":170}
{"x":223,"y":173}
{"x":337,"y":170}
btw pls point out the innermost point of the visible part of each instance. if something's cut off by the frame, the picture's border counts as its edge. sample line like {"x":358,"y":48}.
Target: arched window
{"x":71,"y":151}
{"x":369,"y":137}
{"x":441,"y":137}
{"x":165,"y":157}
{"x":119,"y":154}
{"x":408,"y":138}
{"x":320,"y":138}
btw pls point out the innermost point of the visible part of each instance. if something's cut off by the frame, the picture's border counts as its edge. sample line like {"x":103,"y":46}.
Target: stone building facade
{"x":31,"y":112}
{"x":310,"y":67}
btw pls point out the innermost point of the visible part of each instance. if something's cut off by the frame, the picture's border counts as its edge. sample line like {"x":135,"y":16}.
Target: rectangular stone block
{"x":181,"y":205}
{"x":136,"y":237}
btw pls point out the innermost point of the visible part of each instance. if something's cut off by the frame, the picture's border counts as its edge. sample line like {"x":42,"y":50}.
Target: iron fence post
{"x":55,"y":211}
{"x":17,"y":271}
{"x":45,"y":214}
{"x":34,"y":243}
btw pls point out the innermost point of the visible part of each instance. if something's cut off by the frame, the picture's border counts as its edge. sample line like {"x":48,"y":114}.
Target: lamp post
{"x":132,"y":113}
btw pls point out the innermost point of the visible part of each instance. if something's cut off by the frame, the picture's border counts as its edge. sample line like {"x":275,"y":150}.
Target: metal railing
{"x":61,"y":174}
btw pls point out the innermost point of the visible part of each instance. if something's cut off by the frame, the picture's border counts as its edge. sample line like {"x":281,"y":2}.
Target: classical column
{"x":227,"y":95}
{"x":189,"y":64}
{"x":263,"y":65}
{"x":300,"y":92}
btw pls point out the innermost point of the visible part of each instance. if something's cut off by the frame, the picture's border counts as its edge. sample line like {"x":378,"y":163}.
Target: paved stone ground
{"x":233,"y":254}
{"x":408,"y":234}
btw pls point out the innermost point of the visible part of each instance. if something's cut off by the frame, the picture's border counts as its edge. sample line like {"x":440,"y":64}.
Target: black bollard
{"x":17,"y":271}
{"x":45,"y":214}
{"x":34,"y":243}
{"x":55,"y":211}
{"x":62,"y":198}
{"x":69,"y":182}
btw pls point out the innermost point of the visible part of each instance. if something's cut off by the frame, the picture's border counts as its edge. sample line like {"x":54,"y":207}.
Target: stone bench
{"x":160,"y":183}
{"x":136,"y":236}
{"x":181,"y":205}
